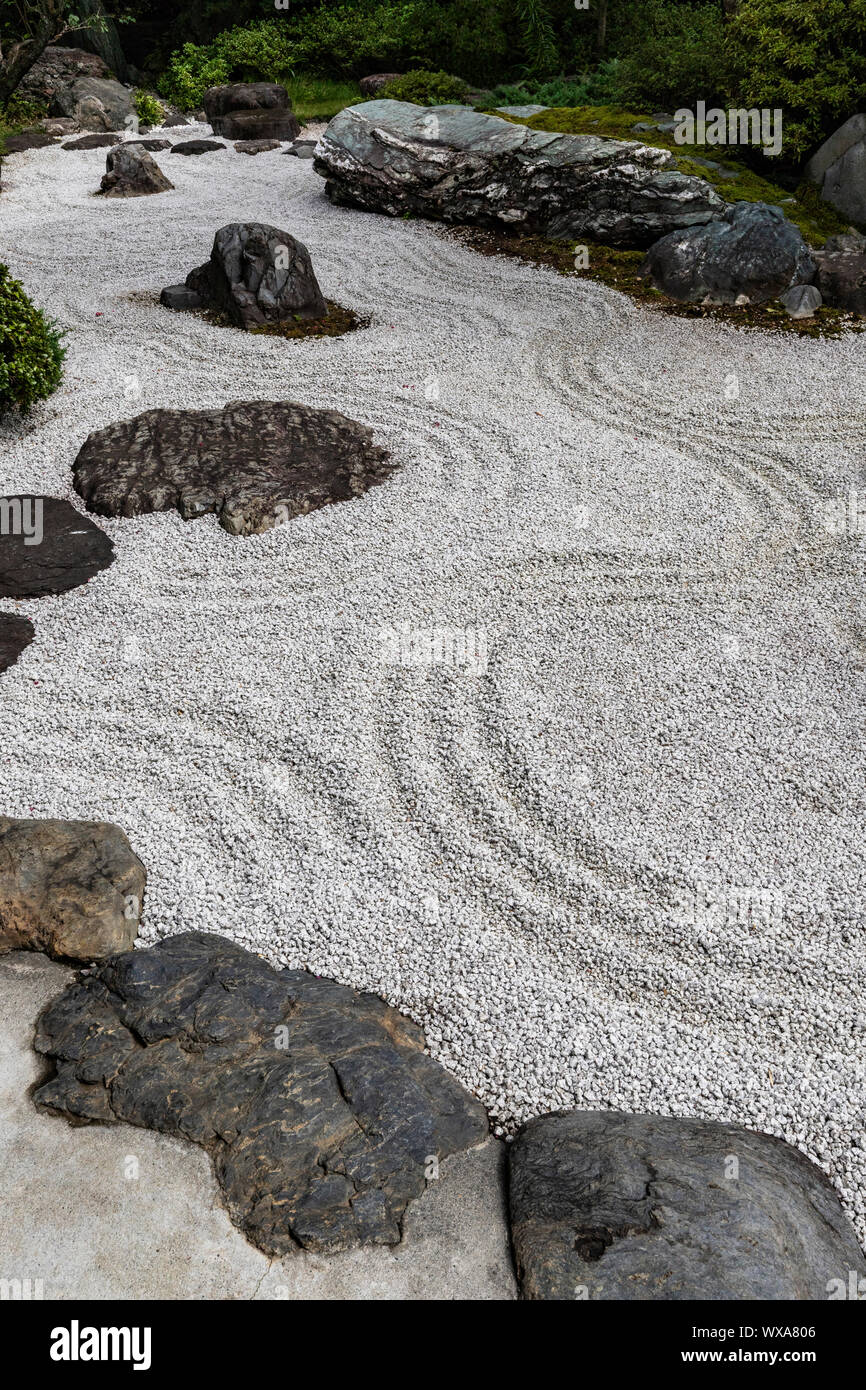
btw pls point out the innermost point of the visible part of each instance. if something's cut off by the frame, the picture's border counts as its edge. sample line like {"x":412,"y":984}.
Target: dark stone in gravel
{"x":258,"y":275}
{"x":196,"y":146}
{"x":27,"y":140}
{"x":318,"y":1105}
{"x":67,"y":550}
{"x":303,"y":149}
{"x":643,"y":1207}
{"x":256,"y":146}
{"x":132,"y":173}
{"x":97,"y":141}
{"x":153,"y":145}
{"x":16,"y":633}
{"x":180,"y":297}
{"x":255,"y":464}
{"x":73,"y":889}
{"x":842,"y":272}
{"x":751,"y":250}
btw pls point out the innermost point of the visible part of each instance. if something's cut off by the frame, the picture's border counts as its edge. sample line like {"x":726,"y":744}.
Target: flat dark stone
{"x":98,"y":141}
{"x":254,"y":463}
{"x":27,"y":140}
{"x":256,"y":146}
{"x":72,"y":548}
{"x":606,"y":1205}
{"x":154,"y":146}
{"x":16,"y":633}
{"x":196,"y":146}
{"x":180,"y":297}
{"x":317,"y":1104}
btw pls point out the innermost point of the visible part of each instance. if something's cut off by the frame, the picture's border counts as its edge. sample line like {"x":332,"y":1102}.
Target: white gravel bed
{"x":612,"y":859}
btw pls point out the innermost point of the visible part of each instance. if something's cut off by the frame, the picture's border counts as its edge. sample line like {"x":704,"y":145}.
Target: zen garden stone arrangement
{"x":238,"y":998}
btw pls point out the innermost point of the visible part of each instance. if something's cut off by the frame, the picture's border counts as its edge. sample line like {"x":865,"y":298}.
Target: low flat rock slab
{"x":256,"y":146}
{"x":255,"y":464}
{"x":318,"y":1104}
{"x":47,"y":547}
{"x":92,"y":142}
{"x":16,"y":633}
{"x":606,"y":1205}
{"x":73,"y":889}
{"x":153,"y":145}
{"x":27,"y":140}
{"x":197,"y":147}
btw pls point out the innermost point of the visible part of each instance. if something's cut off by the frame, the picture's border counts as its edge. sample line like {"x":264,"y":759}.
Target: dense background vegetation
{"x":647,"y":55}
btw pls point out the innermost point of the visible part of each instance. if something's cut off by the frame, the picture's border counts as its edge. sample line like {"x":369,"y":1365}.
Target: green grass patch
{"x":734,"y":180}
{"x":320,"y":98}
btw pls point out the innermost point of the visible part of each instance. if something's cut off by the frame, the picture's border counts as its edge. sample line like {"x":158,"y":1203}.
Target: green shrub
{"x":677,"y":58}
{"x":148,"y":109}
{"x":588,"y":90}
{"x":31,"y":355}
{"x":257,"y":53}
{"x":810,"y":60}
{"x":426,"y":88}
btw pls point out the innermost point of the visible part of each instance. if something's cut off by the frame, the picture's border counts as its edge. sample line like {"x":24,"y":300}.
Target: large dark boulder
{"x":16,"y":633}
{"x":132,"y":173}
{"x":257,"y":275}
{"x":839,"y":169}
{"x":251,"y":111}
{"x":96,"y":103}
{"x":47,"y":547}
{"x":750,"y":251}
{"x":842,"y":272}
{"x":73,"y":889}
{"x":57,"y":68}
{"x":318,"y":1105}
{"x":457,"y":165}
{"x":256,"y":464}
{"x":612,"y":1206}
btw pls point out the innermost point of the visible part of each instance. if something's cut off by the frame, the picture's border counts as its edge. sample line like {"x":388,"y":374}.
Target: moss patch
{"x":619,"y":270}
{"x":335,"y":323}
{"x":733,"y":180}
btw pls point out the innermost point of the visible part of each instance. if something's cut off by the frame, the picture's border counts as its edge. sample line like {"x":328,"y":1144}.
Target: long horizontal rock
{"x":456,"y":165}
{"x":607,"y":1205}
{"x":321,"y":1110}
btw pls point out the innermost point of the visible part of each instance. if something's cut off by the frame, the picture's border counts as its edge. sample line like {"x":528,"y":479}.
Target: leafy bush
{"x":810,"y":60}
{"x":426,"y":88}
{"x":588,"y":90}
{"x":148,"y":109}
{"x":258,"y":53}
{"x":31,"y":355}
{"x":677,"y":58}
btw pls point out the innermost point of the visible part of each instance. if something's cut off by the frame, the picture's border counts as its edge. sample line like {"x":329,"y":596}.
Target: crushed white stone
{"x":605,"y":841}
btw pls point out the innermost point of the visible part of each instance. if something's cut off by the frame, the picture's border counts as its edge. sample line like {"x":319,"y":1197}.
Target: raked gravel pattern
{"x":609,"y":850}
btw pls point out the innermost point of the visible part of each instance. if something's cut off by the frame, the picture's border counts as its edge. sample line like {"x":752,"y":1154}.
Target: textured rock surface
{"x":92,"y":142}
{"x":612,"y":1206}
{"x":839,"y":169}
{"x":802,"y":301}
{"x":750,"y":250}
{"x":251,"y":111}
{"x":258,"y":275}
{"x":254,"y":463}
{"x":96,"y":103}
{"x":16,"y":633}
{"x":454,"y":164}
{"x":196,"y":147}
{"x":842,"y":272}
{"x":256,"y":146}
{"x":303,"y":149}
{"x":69,"y":548}
{"x":57,"y":68}
{"x":73,"y":889}
{"x":376,"y":81}
{"x":27,"y":140}
{"x":132,"y":173}
{"x":318,"y":1105}
{"x":152,"y":144}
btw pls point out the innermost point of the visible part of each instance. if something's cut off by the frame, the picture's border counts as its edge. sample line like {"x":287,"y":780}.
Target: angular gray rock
{"x":456,"y":165}
{"x":47,"y":547}
{"x":751,"y":250}
{"x":303,"y":149}
{"x":130,"y":172}
{"x":839,"y":169}
{"x":16,"y":633}
{"x":73,"y":889}
{"x":606,"y":1205}
{"x":318,"y":1105}
{"x":251,"y":111}
{"x":258,"y":275}
{"x":188,"y":147}
{"x":57,"y":68}
{"x":802,"y":302}
{"x":92,"y":142}
{"x":256,"y":464}
{"x":96,"y":103}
